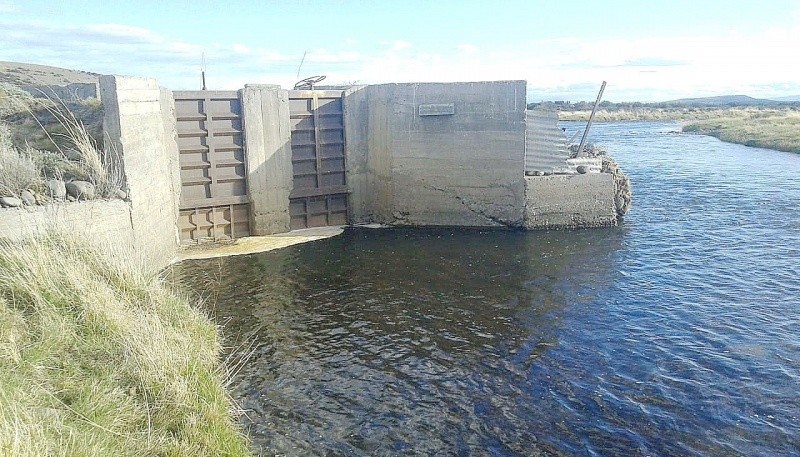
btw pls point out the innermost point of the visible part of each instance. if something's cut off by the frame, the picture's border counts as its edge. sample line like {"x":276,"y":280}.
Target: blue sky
{"x":646,"y":50}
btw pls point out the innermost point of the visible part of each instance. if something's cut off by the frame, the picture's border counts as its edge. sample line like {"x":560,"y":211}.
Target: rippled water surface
{"x":677,"y":333}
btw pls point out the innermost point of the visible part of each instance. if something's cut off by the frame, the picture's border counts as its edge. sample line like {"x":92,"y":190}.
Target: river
{"x":676,"y":333}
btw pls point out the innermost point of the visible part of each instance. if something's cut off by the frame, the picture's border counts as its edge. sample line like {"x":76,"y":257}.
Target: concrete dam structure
{"x":432,"y":154}
{"x":215,"y":165}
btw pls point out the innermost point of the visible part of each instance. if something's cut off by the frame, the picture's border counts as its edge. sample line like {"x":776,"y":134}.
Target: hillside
{"x":31,"y":122}
{"x":27,"y":74}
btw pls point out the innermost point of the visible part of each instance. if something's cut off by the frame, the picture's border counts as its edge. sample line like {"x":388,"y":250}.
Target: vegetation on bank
{"x":642,"y":114}
{"x":778,"y":130}
{"x":98,"y":357}
{"x":657,"y":112}
{"x":775,"y":126}
{"x":43,"y":139}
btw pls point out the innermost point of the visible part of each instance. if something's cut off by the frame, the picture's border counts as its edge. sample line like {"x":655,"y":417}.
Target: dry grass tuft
{"x":18,"y":170}
{"x":99,"y":358}
{"x":96,"y":165}
{"x":60,"y":143}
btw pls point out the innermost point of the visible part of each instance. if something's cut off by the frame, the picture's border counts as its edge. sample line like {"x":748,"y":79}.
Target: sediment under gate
{"x":214,"y":203}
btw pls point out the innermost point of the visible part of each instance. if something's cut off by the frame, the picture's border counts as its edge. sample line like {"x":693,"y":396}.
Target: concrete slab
{"x":255,"y":244}
{"x":570,"y":201}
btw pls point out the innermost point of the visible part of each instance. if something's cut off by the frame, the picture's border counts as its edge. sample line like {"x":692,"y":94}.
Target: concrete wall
{"x":368,"y":156}
{"x":463,"y":166}
{"x":139,"y":123}
{"x":105,"y":222}
{"x":570,"y":201}
{"x":267,"y":132}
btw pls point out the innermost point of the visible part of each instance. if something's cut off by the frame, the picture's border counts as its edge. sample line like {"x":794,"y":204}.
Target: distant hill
{"x":724,"y":100}
{"x":27,"y":74}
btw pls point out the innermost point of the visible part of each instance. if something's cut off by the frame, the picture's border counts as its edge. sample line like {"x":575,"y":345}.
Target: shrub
{"x":14,"y":100}
{"x":18,"y":171}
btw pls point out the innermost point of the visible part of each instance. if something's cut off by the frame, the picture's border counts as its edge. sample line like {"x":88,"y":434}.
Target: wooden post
{"x":591,"y":117}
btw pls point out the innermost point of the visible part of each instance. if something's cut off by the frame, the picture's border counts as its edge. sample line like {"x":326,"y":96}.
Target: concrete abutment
{"x":267,"y":134}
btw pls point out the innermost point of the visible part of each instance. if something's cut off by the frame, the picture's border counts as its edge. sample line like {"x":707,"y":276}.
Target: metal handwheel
{"x":308,"y":83}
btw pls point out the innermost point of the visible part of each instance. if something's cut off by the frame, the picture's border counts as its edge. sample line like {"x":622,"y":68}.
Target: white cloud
{"x":126,"y":32}
{"x":122,"y":49}
{"x":468,"y":48}
{"x":657,"y":68}
{"x":241,"y":49}
{"x":399,"y":45}
{"x":7,"y":7}
{"x":323,"y":55}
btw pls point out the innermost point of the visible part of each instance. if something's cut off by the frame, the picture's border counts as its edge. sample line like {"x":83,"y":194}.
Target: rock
{"x":120,"y":194}
{"x":56,"y":189}
{"x":10,"y":202}
{"x":28,"y":198}
{"x":72,"y":154}
{"x":582,"y":169}
{"x":81,"y":190}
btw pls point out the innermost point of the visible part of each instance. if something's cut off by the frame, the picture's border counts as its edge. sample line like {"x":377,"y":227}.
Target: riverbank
{"x":764,"y":127}
{"x":99,"y":358}
{"x":641,"y":114}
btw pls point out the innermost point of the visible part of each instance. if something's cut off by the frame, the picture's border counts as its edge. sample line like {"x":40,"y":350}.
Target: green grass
{"x":99,"y":358}
{"x":772,"y":129}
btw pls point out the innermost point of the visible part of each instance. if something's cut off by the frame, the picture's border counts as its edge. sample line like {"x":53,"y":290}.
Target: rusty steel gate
{"x":214,"y":203}
{"x":319,"y":195}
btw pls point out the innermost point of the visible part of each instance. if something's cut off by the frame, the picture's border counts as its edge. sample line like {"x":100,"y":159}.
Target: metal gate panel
{"x":214,"y":222}
{"x":214,"y":203}
{"x":319,"y":195}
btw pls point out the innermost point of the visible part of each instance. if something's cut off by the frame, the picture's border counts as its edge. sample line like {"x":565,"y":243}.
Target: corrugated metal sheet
{"x":546,"y":146}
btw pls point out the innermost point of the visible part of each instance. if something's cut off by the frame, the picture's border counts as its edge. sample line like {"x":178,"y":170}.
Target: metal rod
{"x":203,"y":68}
{"x":591,"y":117}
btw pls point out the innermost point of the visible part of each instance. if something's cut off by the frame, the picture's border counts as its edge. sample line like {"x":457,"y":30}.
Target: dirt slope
{"x":42,"y":75}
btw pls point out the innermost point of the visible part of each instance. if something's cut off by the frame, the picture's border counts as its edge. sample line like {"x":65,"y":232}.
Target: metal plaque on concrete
{"x":437,"y":109}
